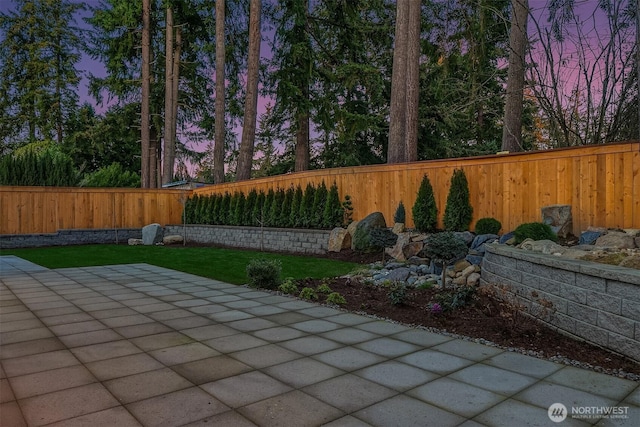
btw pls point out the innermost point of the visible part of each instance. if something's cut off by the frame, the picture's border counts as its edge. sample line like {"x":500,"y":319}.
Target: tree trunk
{"x":176,"y":87}
{"x":245,"y":157}
{"x":412,"y":82}
{"x":397,"y":114}
{"x":512,"y":130}
{"x":145,"y":136}
{"x":218,"y":149}
{"x":638,"y":61}
{"x":302,"y":143}
{"x":169,"y":147}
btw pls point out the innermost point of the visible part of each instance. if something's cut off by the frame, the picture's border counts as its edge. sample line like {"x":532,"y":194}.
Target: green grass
{"x":227,"y":265}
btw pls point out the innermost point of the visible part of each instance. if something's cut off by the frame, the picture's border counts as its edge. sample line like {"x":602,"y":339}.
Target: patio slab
{"x":132,"y":345}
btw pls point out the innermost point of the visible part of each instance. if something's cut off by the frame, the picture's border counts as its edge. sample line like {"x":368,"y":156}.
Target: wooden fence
{"x":602,"y":183}
{"x":26,"y":210}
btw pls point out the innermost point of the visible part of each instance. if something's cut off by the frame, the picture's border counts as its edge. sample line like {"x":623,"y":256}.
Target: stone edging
{"x":302,"y":241}
{"x":69,"y":237}
{"x":596,"y":302}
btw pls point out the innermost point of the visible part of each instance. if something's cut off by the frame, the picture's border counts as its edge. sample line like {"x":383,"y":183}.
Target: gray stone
{"x":544,"y":246}
{"x":398,"y":228}
{"x":466,"y":236}
{"x":396,"y":251}
{"x":172,"y":240}
{"x":616,"y":239}
{"x":339,"y":239}
{"x":474,"y":259}
{"x":506,"y":237}
{"x":362,"y":236}
{"x":481,"y":239}
{"x":399,"y":274}
{"x":559,"y":218}
{"x":152,"y":234}
{"x":419,"y":261}
{"x":411,"y":249}
{"x":473,"y":279}
{"x":134,"y":242}
{"x":589,"y":237}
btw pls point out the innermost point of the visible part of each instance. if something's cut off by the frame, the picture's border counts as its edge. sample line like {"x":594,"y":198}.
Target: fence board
{"x":602,"y":183}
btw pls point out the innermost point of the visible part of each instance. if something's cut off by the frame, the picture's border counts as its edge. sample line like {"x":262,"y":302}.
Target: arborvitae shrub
{"x":276,"y":208}
{"x":319,"y":201}
{"x":247,"y":214}
{"x":225,"y":207}
{"x":189,"y":209}
{"x":347,"y":209}
{"x":400,"y":216}
{"x":458,"y":212}
{"x":285,"y":209}
{"x":294,"y":214}
{"x":425,"y":212}
{"x":256,"y":216}
{"x":233,"y":204}
{"x":215,"y":214}
{"x":333,"y":211}
{"x":201,"y":210}
{"x":306,"y":206}
{"x":488,"y":226}
{"x":239,"y":210}
{"x":534,"y":231}
{"x":266,"y":210}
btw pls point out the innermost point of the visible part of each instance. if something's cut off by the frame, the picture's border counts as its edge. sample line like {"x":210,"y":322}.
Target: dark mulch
{"x":486,"y":316}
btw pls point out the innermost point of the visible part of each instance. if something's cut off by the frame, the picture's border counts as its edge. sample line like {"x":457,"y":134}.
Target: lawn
{"x":227,"y":265}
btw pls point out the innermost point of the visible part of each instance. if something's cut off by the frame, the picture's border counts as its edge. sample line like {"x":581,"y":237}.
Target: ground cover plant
{"x":227,"y":265}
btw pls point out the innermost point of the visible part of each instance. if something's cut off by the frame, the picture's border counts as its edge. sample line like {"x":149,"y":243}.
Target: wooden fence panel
{"x":602,"y":183}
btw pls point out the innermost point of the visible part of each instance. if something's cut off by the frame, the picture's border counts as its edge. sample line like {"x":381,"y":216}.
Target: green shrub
{"x":324,"y":289}
{"x":247,"y":214}
{"x":256,"y":215}
{"x":458,"y":212}
{"x":224,"y":212}
{"x":336,"y":298}
{"x":534,"y":231}
{"x":400,"y":215}
{"x":288,"y":286}
{"x":294,"y":214}
{"x":456,"y":298}
{"x":398,"y":293}
{"x":276,"y":208}
{"x":215,"y":214}
{"x":264,"y":273}
{"x":306,"y":206}
{"x":333,"y":213}
{"x":444,"y":248}
{"x":488,"y":226}
{"x":425,"y":212}
{"x":308,"y":293}
{"x":284,"y":219}
{"x":347,"y":208}
{"x":319,"y":201}
{"x":113,"y":175}
{"x":266,"y":209}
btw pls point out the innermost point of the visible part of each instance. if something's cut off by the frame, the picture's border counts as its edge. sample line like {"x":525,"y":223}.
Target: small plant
{"x":458,"y":211}
{"x":435,"y":308}
{"x":264,"y":273}
{"x":488,"y":226}
{"x":425,"y":285}
{"x":336,"y":298}
{"x":456,"y":298}
{"x":308,"y":294}
{"x":347,"y":208}
{"x":398,"y":293}
{"x":383,"y":238}
{"x":444,"y":248}
{"x":324,"y":289}
{"x":534,"y":231}
{"x":400,"y":215}
{"x":288,"y":286}
{"x":425,"y":212}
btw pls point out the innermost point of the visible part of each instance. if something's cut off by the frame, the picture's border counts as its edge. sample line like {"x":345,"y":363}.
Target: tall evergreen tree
{"x":40,"y":49}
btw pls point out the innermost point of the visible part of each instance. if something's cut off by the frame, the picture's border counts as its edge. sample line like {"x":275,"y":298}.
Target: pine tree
{"x":425,"y":211}
{"x":458,"y":212}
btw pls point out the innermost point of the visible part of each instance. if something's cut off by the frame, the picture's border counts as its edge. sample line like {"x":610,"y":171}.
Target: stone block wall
{"x":596,"y":302}
{"x":269,"y":239}
{"x":69,"y":237}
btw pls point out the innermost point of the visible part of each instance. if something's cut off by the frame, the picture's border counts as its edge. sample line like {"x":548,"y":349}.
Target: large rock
{"x":351,"y":229}
{"x":480,"y":240}
{"x":589,"y":237}
{"x":134,"y":242}
{"x":339,"y":239}
{"x":559,"y":219}
{"x":545,"y":246}
{"x":411,"y":249}
{"x":398,"y":227}
{"x":152,"y":234}
{"x":362,"y":236}
{"x":396,"y":251}
{"x":616,"y":239}
{"x":172,"y":240}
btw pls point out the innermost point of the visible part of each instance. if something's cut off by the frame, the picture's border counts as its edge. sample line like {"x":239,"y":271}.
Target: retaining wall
{"x":596,"y":302}
{"x":69,"y":237}
{"x":270,"y":239}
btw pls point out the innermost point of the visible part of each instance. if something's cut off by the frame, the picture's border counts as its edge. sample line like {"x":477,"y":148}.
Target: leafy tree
{"x":425,"y":211}
{"x":40,"y":49}
{"x":113,"y":175}
{"x":458,"y":212}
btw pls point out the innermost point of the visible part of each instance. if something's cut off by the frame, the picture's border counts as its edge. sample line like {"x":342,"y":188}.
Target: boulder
{"x":466,"y":236}
{"x":506,"y":237}
{"x":398,"y":227}
{"x":616,"y":239}
{"x":474,"y":259}
{"x":545,"y":246}
{"x":396,"y":251}
{"x":416,"y":260}
{"x":633,"y":232}
{"x":399,"y":274}
{"x":589,"y":237}
{"x":461,"y":265}
{"x":339,"y":239}
{"x":134,"y":242}
{"x":631,"y":262}
{"x":411,"y":249}
{"x":479,"y":241}
{"x":362,"y":236}
{"x":559,"y":218}
{"x":473,"y":279}
{"x":351,"y":229}
{"x":152,"y":234}
{"x":172,"y":240}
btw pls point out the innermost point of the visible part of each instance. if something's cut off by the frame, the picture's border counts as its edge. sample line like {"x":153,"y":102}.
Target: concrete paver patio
{"x":130,"y":345}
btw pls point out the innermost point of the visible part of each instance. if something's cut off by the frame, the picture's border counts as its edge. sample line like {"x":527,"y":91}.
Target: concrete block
{"x":525,"y":266}
{"x":564,"y":322}
{"x":582,"y":313}
{"x":630,"y":309}
{"x":615,"y":323}
{"x":573,"y":293}
{"x":624,"y":345}
{"x":605,"y":302}
{"x":624,"y":290}
{"x":592,"y":333}
{"x":548,"y":285}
